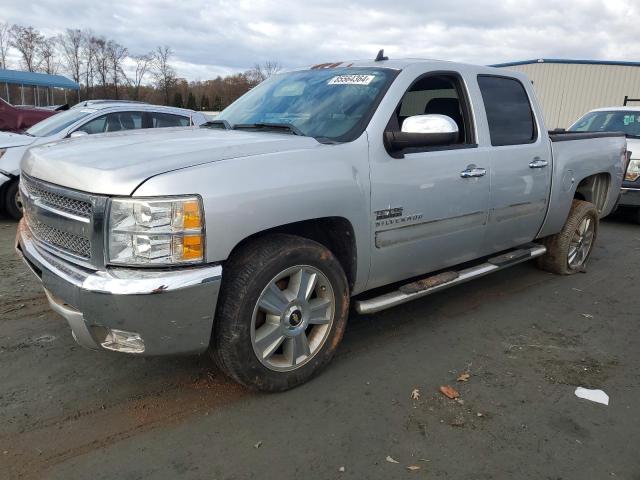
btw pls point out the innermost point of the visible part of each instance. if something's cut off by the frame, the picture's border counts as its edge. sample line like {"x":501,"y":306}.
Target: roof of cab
{"x":403,"y":63}
{"x":103,"y":104}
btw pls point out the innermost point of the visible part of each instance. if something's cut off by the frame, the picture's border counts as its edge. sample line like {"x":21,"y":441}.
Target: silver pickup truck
{"x":368,"y":183}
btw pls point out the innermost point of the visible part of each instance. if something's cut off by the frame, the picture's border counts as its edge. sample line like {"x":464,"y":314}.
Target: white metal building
{"x":567,"y":89}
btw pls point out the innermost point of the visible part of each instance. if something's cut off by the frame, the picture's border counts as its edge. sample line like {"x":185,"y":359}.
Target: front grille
{"x":55,"y":200}
{"x":69,"y":242}
{"x":64,"y":220}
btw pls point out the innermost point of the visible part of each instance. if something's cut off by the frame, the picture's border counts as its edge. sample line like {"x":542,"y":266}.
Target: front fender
{"x":248,"y":195}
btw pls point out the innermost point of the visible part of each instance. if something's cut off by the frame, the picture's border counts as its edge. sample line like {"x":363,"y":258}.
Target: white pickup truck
{"x":365,"y":183}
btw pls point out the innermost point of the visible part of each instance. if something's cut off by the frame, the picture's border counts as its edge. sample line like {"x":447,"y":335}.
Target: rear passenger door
{"x":520,"y":164}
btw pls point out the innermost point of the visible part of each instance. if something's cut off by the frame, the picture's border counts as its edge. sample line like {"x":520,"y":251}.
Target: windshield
{"x":333,"y":104}
{"x":58,"y":122}
{"x":614,"y":121}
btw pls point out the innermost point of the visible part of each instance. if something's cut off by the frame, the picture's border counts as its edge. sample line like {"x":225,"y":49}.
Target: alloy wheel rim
{"x":292,"y":318}
{"x":581,"y":242}
{"x":18,"y":201}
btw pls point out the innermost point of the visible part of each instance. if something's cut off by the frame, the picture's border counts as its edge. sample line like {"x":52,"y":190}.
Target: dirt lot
{"x":527,"y":339}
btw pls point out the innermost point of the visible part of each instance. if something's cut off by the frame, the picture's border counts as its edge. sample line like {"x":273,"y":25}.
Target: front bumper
{"x":171,"y":310}
{"x":629,"y":197}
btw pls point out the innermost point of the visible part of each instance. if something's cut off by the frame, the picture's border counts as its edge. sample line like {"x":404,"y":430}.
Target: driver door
{"x":426,"y":213}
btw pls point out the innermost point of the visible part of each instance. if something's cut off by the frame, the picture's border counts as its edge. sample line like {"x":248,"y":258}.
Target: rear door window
{"x":509,"y":112}
{"x":162,"y":120}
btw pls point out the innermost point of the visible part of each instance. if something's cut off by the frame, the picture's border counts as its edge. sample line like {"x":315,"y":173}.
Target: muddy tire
{"x":12,"y":203}
{"x":569,"y":250}
{"x":281,"y":314}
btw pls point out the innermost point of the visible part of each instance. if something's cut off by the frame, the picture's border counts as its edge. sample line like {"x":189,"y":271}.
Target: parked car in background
{"x":16,"y":118}
{"x":86,"y":118}
{"x":619,"y":119}
{"x":384,"y":180}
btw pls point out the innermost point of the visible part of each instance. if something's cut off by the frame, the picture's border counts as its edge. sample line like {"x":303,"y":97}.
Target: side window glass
{"x":94,"y":126}
{"x":114,"y":122}
{"x":508,"y":110}
{"x":162,"y":120}
{"x":439,"y":94}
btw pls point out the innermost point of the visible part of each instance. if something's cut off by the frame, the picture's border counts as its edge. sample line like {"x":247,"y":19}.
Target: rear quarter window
{"x":508,"y":109}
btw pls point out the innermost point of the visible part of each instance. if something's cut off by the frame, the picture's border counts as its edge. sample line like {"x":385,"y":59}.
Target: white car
{"x":626,"y":120}
{"x":86,"y":118}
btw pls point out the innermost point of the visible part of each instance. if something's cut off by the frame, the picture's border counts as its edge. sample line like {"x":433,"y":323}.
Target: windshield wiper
{"x":269,"y":126}
{"x":215,"y":123}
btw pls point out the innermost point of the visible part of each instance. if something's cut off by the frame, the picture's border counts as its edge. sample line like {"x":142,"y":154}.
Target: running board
{"x":435,"y":283}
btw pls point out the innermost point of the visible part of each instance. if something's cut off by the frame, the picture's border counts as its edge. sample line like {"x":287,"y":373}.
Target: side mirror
{"x":78,"y":133}
{"x":423,"y":131}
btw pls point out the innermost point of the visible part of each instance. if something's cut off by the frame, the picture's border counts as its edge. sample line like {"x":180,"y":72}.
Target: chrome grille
{"x":64,"y":221}
{"x":55,"y":200}
{"x":69,"y":242}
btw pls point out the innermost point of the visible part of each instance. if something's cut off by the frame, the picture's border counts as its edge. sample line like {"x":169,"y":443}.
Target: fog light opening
{"x":123,"y":341}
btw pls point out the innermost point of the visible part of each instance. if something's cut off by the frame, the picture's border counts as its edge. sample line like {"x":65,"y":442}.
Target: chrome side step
{"x":435,"y":283}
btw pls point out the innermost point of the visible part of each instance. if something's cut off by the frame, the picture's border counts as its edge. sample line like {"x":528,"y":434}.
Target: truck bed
{"x":563,"y":135}
{"x":578,"y":156}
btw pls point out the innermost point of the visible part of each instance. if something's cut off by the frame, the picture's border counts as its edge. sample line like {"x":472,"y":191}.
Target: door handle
{"x":473,"y":172}
{"x":538,"y":163}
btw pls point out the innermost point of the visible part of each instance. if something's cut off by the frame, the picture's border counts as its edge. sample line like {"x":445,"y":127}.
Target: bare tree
{"x":88,"y":55}
{"x":4,"y":43}
{"x":143,"y":62}
{"x":48,"y":56}
{"x":27,"y":41}
{"x":101,"y":60}
{"x":164,"y":73}
{"x":71,"y":43}
{"x":261,"y":72}
{"x":117,"y":54}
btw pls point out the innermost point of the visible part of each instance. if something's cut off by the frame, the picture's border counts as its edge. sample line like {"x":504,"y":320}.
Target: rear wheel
{"x":12,"y":201}
{"x":281,"y":314}
{"x":569,"y":250}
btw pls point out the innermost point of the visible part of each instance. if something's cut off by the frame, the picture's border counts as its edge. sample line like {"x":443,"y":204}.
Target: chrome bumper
{"x":171,"y":310}
{"x":630,"y":197}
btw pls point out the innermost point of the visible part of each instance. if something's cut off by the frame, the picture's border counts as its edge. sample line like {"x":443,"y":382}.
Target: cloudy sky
{"x":212,"y":37}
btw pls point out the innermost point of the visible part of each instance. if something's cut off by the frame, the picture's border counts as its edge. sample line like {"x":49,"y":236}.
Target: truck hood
{"x":117,"y":163}
{"x":8,"y":140}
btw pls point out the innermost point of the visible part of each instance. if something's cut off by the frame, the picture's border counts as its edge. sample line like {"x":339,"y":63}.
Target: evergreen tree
{"x":191,"y":102}
{"x":217,"y":104}
{"x":177,"y":100}
{"x":204,"y":103}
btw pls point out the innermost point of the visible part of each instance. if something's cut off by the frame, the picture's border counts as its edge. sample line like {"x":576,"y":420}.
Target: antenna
{"x":380,"y":57}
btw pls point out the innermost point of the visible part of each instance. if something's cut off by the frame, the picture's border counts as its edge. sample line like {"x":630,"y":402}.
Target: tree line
{"x":106,"y":69}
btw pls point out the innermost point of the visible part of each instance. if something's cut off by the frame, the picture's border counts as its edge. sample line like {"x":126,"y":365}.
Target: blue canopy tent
{"x":37,"y":81}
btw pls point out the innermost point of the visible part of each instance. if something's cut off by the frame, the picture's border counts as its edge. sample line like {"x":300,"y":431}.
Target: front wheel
{"x":12,"y":200}
{"x":282,"y":312}
{"x":569,"y":250}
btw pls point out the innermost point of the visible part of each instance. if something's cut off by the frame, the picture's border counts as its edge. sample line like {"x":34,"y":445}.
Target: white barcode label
{"x":351,"y":80}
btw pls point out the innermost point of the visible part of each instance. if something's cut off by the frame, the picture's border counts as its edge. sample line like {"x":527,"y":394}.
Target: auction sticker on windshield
{"x":351,"y":80}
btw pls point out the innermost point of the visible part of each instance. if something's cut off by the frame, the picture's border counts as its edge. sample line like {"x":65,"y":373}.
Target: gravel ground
{"x":527,"y":339}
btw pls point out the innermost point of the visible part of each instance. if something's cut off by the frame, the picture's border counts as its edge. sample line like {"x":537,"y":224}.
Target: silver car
{"x":86,"y":118}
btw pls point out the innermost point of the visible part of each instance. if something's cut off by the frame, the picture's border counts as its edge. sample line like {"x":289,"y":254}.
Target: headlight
{"x":633,"y":170}
{"x":156,"y":231}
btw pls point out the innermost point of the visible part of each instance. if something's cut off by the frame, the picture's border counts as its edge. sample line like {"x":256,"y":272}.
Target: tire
{"x":318,"y":313}
{"x":12,"y":204}
{"x":636,"y":215}
{"x":560,"y":247}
